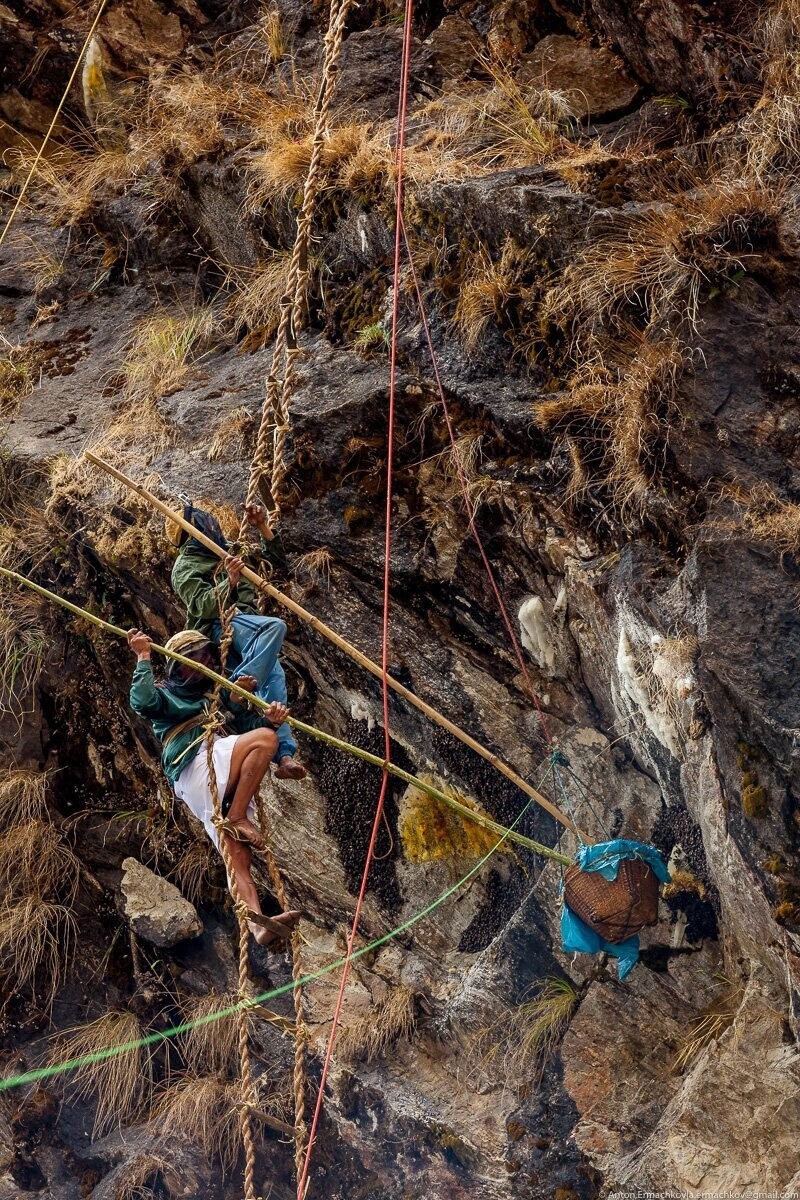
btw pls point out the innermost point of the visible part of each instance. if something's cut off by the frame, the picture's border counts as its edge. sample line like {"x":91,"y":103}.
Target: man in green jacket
{"x":257,"y":639}
{"x":243,"y":749}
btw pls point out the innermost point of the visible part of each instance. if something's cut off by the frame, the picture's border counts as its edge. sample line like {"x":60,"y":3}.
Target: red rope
{"x":401,"y":127}
{"x":465,"y":492}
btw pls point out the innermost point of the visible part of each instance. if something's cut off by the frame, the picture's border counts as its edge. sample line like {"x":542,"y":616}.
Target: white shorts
{"x":193,"y":788}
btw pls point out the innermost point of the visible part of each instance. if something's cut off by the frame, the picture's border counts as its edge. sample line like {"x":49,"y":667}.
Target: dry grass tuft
{"x":355,"y":156}
{"x":314,"y":566}
{"x":16,"y":378}
{"x":23,"y":797}
{"x":141,"y":1179}
{"x":211,"y":1046}
{"x":255,"y":305}
{"x":161,"y":360}
{"x":275,"y":35}
{"x":23,"y":642}
{"x":654,"y":268}
{"x":231,"y":436}
{"x":36,"y":941}
{"x":35,"y":859}
{"x":517,"y":1047}
{"x":121,"y":1083}
{"x":618,"y":416}
{"x":163,"y":350}
{"x":45,"y":267}
{"x":202,"y":1111}
{"x":709,"y":1027}
{"x":490,"y":286}
{"x":773,"y":520}
{"x":195,"y":871}
{"x":371,"y":1036}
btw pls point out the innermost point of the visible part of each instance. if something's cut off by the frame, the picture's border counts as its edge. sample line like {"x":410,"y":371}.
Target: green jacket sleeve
{"x":199,"y":594}
{"x":145,"y":698}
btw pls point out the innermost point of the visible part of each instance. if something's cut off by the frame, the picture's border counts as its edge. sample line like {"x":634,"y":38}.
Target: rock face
{"x":594,"y":80}
{"x":154,"y":909}
{"x":613,"y":308}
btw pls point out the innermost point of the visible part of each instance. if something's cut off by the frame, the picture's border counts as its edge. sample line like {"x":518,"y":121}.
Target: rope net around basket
{"x":269,"y":458}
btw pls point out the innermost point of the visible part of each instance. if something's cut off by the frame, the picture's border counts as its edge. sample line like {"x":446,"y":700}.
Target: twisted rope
{"x":245,"y":1067}
{"x":299,"y":1080}
{"x":275,"y":426}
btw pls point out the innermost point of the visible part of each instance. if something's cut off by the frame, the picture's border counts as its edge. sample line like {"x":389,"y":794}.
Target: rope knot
{"x":559,"y":759}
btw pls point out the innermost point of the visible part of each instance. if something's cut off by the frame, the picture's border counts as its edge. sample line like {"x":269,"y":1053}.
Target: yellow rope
{"x":275,"y":414}
{"x":54,"y":121}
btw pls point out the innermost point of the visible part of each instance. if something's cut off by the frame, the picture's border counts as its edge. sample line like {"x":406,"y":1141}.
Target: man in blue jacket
{"x":257,"y":639}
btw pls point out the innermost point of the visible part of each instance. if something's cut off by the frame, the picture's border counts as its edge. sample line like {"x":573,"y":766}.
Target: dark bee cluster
{"x":351,"y":789}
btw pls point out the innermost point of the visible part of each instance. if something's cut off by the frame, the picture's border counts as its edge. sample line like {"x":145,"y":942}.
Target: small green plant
{"x":371,"y":337}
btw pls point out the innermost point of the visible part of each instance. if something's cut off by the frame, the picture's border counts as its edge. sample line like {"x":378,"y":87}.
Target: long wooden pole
{"x":347,"y":747}
{"x":352,"y":651}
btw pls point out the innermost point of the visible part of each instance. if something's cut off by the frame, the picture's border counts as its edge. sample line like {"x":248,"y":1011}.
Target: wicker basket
{"x":618,"y":908}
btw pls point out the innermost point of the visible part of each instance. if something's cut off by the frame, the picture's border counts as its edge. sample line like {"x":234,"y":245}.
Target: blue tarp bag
{"x":605,"y":859}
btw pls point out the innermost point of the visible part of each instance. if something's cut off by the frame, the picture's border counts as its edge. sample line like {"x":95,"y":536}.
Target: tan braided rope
{"x":274,"y":427}
{"x":299,"y":1081}
{"x":299,"y":1084}
{"x":245,"y":1067}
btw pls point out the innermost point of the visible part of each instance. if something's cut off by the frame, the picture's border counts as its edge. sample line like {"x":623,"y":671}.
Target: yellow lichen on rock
{"x":429,"y":830}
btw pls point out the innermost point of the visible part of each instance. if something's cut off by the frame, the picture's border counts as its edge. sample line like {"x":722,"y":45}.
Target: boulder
{"x":593,"y":78}
{"x":154,"y":908}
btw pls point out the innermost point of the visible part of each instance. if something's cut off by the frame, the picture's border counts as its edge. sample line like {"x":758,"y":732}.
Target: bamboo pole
{"x":352,"y":651}
{"x":301,"y":726}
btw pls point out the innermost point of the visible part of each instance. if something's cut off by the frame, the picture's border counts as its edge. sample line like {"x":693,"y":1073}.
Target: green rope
{"x":151,"y":1039}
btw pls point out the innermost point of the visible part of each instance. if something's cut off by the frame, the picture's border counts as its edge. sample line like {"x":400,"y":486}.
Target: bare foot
{"x":290,"y":768}
{"x":270,"y":940}
{"x":288,"y":918}
{"x":247,"y":832}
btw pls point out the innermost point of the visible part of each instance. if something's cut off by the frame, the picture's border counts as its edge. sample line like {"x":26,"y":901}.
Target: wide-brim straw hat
{"x":186,"y":641}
